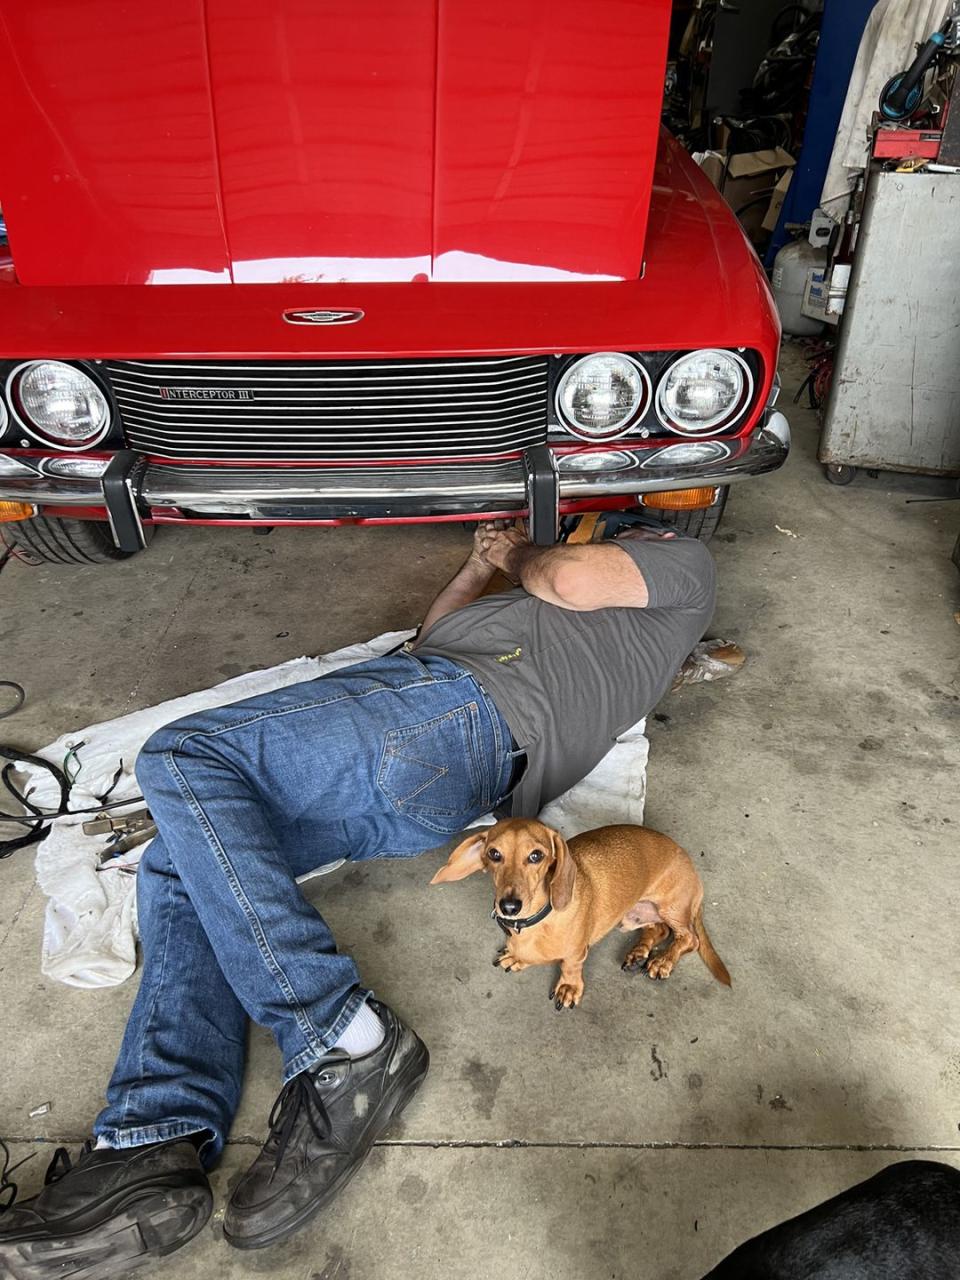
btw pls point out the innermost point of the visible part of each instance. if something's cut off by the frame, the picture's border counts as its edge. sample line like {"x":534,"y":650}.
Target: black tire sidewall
{"x":50,"y":540}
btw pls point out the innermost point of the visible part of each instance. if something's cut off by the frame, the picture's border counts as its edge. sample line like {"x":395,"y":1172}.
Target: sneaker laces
{"x":300,"y":1093}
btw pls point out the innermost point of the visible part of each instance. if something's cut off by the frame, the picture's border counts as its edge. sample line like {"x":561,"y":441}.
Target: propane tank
{"x":791,"y":267}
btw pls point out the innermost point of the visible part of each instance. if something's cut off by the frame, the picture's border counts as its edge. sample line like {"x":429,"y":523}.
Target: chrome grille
{"x":332,"y":411}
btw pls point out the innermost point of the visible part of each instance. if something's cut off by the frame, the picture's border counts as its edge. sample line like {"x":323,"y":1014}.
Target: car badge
{"x":322,"y":317}
{"x":205,"y":393}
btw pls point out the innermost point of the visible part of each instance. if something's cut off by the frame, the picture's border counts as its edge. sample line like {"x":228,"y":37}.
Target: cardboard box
{"x":750,"y":184}
{"x":776,"y":202}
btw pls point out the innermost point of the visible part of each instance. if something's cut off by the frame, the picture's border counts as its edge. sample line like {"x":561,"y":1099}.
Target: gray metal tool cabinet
{"x":895,"y":399}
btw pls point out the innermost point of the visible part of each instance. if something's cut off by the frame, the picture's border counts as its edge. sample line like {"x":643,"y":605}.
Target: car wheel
{"x":701,"y":523}
{"x":48,"y":540}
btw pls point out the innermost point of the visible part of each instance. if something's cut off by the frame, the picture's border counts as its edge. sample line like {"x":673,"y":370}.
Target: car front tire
{"x":49,"y":540}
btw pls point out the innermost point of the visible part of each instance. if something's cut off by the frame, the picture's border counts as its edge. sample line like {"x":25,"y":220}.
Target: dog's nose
{"x":510,"y":906}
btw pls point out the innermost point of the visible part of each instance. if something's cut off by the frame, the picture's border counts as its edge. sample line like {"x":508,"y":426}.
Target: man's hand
{"x":501,"y":545}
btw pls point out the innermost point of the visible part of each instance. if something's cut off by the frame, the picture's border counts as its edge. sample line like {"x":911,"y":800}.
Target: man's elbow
{"x":572,"y":585}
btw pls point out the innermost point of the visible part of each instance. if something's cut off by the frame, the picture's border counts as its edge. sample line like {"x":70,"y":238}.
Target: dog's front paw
{"x":567,"y":995}
{"x":507,"y":963}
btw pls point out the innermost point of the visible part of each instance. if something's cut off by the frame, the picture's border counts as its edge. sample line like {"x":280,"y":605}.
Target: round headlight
{"x":600,"y":397}
{"x":58,"y":404}
{"x":704,"y":391}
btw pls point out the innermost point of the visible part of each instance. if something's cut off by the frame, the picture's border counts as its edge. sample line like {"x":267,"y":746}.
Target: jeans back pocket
{"x":434,"y":772}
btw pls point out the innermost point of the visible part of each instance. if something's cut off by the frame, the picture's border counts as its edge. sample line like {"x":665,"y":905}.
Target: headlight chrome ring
{"x":718,"y":421}
{"x":637,"y":406}
{"x":98,"y":405}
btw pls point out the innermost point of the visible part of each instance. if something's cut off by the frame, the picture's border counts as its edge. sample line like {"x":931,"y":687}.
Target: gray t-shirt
{"x":568,"y":683}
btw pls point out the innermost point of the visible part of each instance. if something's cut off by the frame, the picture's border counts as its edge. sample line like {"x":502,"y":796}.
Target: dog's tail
{"x":707,"y":953}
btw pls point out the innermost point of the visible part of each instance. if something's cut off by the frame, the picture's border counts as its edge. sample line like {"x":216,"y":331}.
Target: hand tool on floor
{"x":126,"y":831}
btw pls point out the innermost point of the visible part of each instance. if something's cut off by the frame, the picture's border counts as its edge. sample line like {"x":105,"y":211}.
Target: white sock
{"x":101,"y":1145}
{"x":363,"y":1033}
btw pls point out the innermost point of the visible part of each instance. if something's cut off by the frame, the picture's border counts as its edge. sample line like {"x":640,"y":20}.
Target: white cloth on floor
{"x":886,"y":47}
{"x":89,"y":935}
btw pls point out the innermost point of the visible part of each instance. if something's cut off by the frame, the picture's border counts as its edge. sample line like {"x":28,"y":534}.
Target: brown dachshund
{"x":554,"y":900}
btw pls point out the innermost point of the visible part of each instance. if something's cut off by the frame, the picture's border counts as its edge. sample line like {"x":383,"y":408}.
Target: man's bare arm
{"x":466,"y":585}
{"x":580,"y":578}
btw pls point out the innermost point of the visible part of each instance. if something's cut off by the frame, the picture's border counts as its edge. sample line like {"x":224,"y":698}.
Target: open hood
{"x":316,"y":141}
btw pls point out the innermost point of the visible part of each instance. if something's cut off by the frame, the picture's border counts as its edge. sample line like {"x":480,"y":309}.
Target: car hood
{"x":227,"y":141}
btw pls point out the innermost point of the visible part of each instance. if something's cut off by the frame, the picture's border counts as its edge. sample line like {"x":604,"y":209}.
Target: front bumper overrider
{"x":133,"y":488}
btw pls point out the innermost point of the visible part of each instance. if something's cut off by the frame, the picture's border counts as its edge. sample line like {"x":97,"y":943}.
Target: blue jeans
{"x":381,"y":760}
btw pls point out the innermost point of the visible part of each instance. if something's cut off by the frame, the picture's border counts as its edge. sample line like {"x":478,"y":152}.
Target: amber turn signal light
{"x":680,"y":499}
{"x":10,"y":511}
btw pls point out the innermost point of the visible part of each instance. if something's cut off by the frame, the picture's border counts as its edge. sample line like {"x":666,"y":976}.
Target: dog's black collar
{"x":512,"y":925}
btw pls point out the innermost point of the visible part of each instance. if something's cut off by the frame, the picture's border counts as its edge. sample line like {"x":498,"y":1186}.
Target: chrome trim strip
{"x":418,"y":490}
{"x":454,"y":363}
{"x":303,"y":377}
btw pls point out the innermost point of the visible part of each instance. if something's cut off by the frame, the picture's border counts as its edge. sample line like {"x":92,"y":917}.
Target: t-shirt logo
{"x":512,"y":656}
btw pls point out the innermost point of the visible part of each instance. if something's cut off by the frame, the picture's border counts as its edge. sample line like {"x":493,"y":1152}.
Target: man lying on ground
{"x":504,"y":700}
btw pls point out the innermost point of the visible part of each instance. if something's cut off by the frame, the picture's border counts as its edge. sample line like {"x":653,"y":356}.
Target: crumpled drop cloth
{"x":89,"y":935}
{"x":886,"y":47}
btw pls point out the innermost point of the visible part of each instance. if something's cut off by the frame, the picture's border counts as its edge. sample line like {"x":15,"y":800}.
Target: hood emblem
{"x":322,"y":317}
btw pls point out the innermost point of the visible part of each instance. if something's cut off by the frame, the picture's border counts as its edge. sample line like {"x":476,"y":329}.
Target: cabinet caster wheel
{"x":836,"y":473}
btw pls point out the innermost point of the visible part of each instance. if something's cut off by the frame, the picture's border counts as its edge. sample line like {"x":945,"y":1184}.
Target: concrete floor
{"x":649,"y":1132}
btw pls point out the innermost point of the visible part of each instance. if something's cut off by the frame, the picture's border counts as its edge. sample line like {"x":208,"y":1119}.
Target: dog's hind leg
{"x":648,"y":938}
{"x":684,"y":940}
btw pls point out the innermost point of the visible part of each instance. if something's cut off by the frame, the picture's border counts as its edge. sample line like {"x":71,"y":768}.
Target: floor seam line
{"x":17,"y":914}
{"x":518,"y":1144}
{"x":175,"y":613}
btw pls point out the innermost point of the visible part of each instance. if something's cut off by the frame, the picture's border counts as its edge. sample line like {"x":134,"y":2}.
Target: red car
{"x":362,"y":261}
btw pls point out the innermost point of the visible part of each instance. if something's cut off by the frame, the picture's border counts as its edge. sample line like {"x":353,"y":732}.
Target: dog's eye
{"x":494,"y":855}
{"x":536,"y":856}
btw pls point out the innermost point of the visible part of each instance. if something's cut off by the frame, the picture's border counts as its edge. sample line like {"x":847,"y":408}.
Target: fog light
{"x":688,"y":454}
{"x":10,"y":511}
{"x":680,"y":499}
{"x":606,"y":460}
{"x":75,"y":468}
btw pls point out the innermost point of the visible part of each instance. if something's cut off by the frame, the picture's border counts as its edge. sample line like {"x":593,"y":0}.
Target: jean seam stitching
{"x":310,"y":706}
{"x":143,"y":1134}
{"x":300,"y":1061}
{"x":307,"y":1029}
{"x":468,"y":715}
{"x":156,"y":996}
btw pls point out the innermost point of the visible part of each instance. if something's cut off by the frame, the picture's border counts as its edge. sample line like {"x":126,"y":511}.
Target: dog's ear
{"x":464,"y":860}
{"x":564,"y":873}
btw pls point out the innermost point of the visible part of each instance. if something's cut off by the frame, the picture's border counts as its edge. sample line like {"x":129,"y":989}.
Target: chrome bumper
{"x":263,"y":492}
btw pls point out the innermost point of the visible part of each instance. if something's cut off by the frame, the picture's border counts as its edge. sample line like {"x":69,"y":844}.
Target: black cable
{"x":19,"y":694}
{"x":8,"y":1188}
{"x":37,"y":820}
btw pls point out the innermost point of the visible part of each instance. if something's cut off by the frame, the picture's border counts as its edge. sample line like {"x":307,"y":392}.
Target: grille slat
{"x":333,"y":410}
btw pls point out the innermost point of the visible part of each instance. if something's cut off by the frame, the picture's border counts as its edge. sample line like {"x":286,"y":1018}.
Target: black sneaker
{"x":110,"y":1212}
{"x":322,"y":1126}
